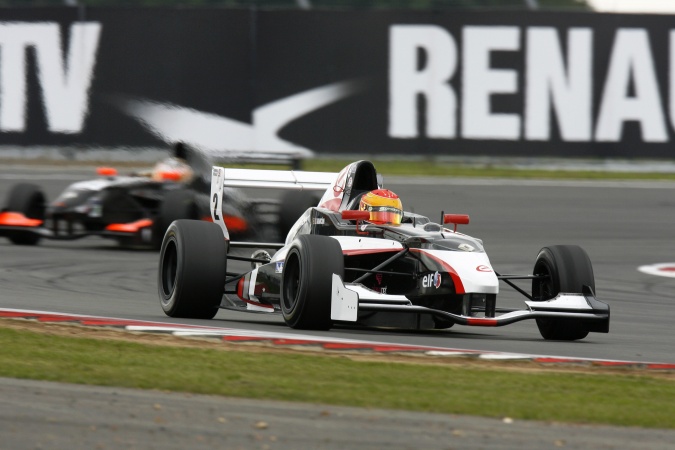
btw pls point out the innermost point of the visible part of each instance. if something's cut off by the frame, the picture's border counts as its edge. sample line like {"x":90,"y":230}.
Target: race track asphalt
{"x":621,"y":226}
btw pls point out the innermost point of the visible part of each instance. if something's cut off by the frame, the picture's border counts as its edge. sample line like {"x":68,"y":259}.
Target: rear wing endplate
{"x":262,"y":179}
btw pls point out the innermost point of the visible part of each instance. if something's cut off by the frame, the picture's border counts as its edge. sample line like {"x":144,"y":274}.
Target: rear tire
{"x":29,"y":200}
{"x":192,"y":266}
{"x":568,"y":268}
{"x":306,"y":282}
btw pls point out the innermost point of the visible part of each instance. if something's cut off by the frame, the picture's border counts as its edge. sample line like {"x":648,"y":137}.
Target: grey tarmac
{"x":47,"y":415}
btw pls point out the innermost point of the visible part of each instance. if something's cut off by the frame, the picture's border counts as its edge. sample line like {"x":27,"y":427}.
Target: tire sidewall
{"x":570,"y":269}
{"x":292,"y":309}
{"x":171,"y":243}
{"x":200,"y":269}
{"x":316,"y":259}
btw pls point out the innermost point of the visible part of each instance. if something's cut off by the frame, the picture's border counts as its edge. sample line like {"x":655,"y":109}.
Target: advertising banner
{"x":340,"y":82}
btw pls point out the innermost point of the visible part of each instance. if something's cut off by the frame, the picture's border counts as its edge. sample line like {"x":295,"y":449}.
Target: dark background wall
{"x":228,"y":64}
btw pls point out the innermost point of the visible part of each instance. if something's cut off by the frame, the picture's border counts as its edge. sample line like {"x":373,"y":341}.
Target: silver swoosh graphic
{"x":216,"y":134}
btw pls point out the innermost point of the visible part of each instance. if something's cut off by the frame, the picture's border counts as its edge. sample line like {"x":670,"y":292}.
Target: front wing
{"x":347,"y":300}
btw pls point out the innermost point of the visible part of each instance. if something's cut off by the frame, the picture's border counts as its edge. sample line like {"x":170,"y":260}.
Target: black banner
{"x":368,"y":82}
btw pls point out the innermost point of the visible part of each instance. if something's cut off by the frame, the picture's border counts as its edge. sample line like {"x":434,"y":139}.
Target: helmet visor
{"x":385,"y":214}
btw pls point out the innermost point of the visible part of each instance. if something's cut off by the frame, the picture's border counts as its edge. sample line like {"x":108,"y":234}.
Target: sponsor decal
{"x":466,"y":247}
{"x":279,"y":267}
{"x":432,"y":280}
{"x":483,"y":268}
{"x":319,"y":221}
{"x":661,"y":270}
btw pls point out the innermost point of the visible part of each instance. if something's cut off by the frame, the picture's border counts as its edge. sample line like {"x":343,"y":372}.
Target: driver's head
{"x":383,"y":205}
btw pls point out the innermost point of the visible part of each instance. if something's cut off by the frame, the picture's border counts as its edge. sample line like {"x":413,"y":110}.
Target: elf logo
{"x":431,"y":280}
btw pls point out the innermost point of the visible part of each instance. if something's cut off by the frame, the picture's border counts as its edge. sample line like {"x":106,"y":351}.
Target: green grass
{"x":619,"y":398}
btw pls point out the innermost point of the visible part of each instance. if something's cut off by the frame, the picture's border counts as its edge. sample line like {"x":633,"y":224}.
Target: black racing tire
{"x":292,"y":205}
{"x":192,"y":269}
{"x":306,"y":281}
{"x":567,"y":268}
{"x":29,"y":200}
{"x":177,"y":205}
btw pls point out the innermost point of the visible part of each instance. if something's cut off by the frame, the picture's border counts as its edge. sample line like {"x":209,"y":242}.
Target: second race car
{"x":136,"y":209}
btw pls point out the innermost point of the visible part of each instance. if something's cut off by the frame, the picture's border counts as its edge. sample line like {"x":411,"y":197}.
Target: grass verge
{"x":516,"y":390}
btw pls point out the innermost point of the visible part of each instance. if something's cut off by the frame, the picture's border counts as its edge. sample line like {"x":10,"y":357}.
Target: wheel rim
{"x":542,"y":289}
{"x":169,"y":269}
{"x":291,"y":283}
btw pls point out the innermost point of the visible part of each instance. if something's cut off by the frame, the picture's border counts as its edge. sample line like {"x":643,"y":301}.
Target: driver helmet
{"x":383,"y":205}
{"x":172,"y":169}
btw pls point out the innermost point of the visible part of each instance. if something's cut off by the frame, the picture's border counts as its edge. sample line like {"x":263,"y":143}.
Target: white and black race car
{"x":337,"y":267}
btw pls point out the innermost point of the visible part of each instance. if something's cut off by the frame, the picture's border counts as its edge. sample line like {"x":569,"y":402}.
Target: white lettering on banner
{"x":558,"y":84}
{"x":631,"y":58}
{"x":408,"y":81}
{"x":549,"y":86}
{"x":480,"y":82}
{"x":64,"y":82}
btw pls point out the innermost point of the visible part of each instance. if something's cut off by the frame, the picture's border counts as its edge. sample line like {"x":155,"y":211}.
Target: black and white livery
{"x":337,"y":266}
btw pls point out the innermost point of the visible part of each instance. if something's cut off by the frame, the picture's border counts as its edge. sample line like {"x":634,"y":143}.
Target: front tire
{"x":306,"y":282}
{"x":192,"y":266}
{"x":566,"y":268}
{"x":29,"y":200}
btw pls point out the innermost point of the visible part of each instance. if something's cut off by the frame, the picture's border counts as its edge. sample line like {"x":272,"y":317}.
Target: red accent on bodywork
{"x":457,"y":281}
{"x":481,"y":322}
{"x":15,"y":219}
{"x":240,"y":288}
{"x":132,"y":227}
{"x":235,"y":224}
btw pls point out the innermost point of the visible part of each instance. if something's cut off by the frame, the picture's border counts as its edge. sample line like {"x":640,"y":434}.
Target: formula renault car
{"x":135,"y":210}
{"x":337,"y":266}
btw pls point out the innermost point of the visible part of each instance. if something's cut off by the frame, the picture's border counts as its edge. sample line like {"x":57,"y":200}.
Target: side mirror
{"x":355,"y":215}
{"x":456,"y":219}
{"x":106,"y":171}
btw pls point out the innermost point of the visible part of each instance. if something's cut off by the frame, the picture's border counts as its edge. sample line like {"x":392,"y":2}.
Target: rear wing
{"x":265,"y":179}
